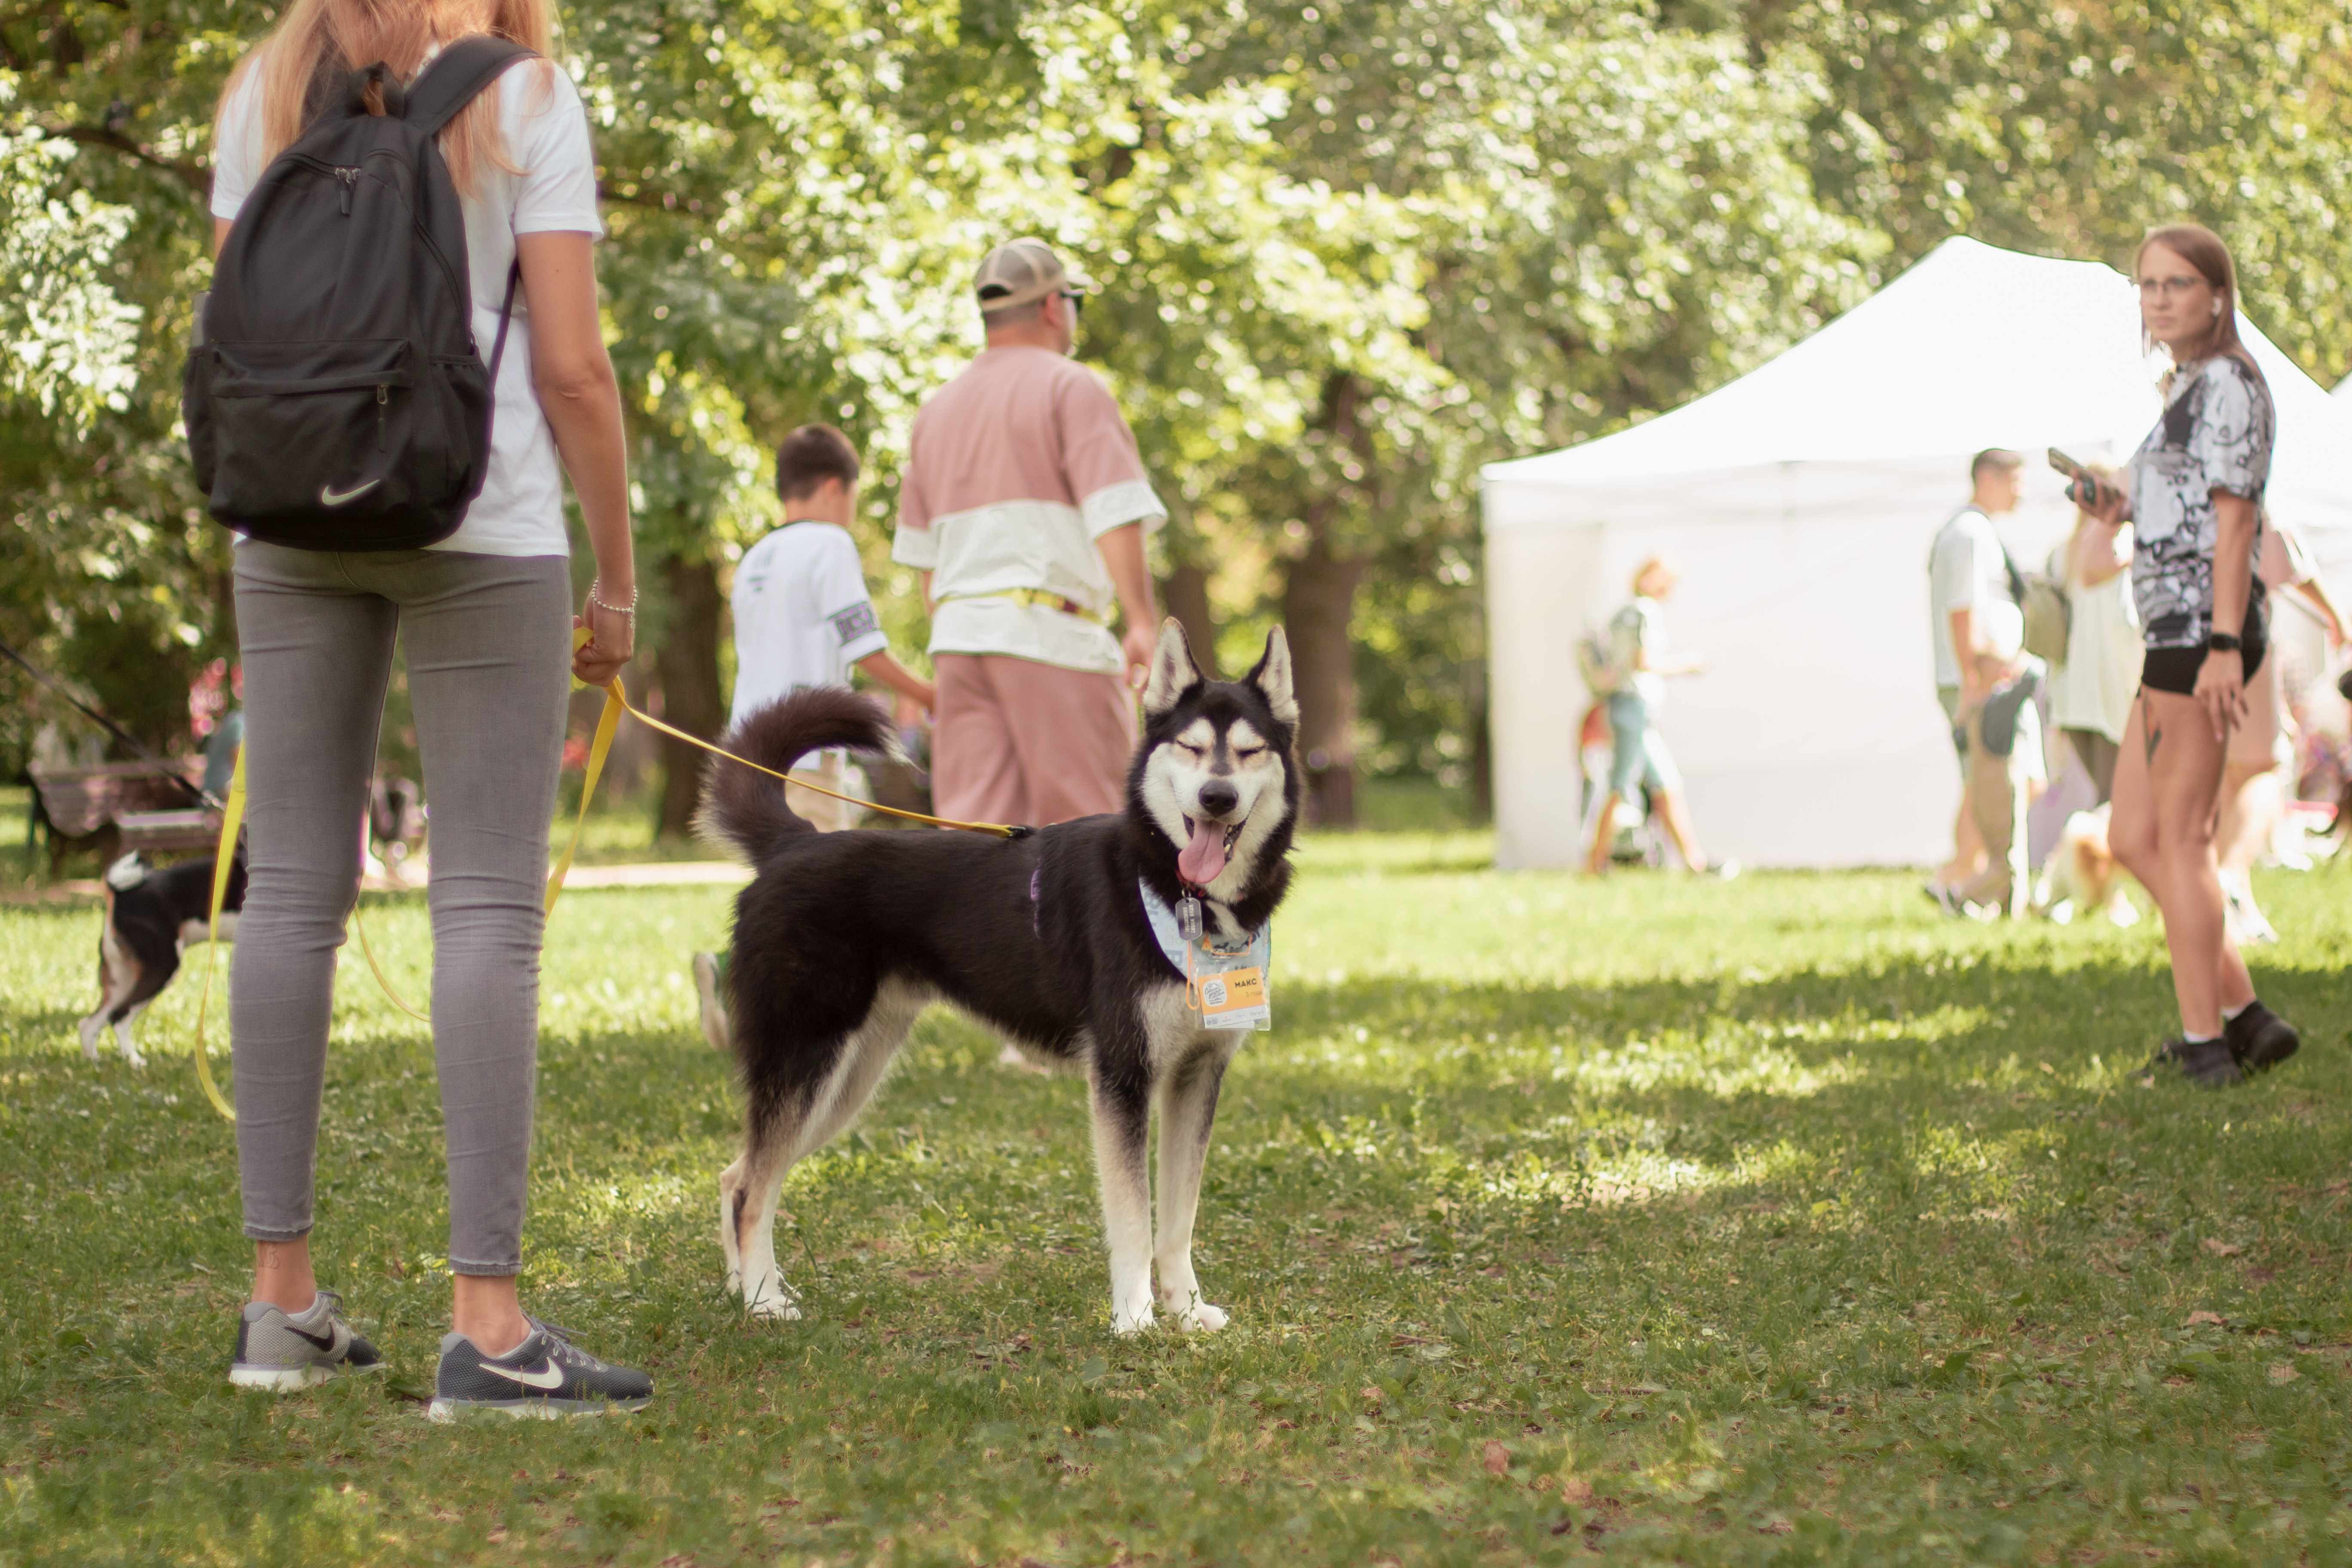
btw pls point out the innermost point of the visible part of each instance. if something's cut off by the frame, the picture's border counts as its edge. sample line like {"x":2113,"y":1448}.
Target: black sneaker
{"x":282,"y":1351}
{"x":2208,"y":1064}
{"x":546,"y":1375}
{"x":2259,"y":1038}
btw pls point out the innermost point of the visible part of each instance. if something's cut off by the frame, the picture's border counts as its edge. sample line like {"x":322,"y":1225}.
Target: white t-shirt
{"x":802,"y":614}
{"x":1968,"y":571}
{"x":2093,"y":686}
{"x":520,"y":509}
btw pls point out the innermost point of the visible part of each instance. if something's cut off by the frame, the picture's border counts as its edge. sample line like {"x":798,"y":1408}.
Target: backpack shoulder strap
{"x":455,"y":74}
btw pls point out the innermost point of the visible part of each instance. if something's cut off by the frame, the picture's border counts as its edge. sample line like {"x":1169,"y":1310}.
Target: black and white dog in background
{"x":151,"y":916}
{"x":843,"y":938}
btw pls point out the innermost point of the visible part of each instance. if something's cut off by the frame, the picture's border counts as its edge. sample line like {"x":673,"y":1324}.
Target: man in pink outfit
{"x":1024,"y":504}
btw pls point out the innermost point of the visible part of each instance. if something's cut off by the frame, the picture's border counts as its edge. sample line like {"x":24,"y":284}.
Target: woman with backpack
{"x":2194,"y":499}
{"x":484,"y":612}
{"x":1636,"y":686}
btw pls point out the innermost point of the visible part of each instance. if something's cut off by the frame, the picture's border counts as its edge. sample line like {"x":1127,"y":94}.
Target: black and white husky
{"x":843,"y":938}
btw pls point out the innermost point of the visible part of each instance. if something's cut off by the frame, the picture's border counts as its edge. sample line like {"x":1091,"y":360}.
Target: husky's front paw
{"x":1135,"y":1321}
{"x":90,"y":1028}
{"x":132,"y":1058}
{"x":1199,"y":1318}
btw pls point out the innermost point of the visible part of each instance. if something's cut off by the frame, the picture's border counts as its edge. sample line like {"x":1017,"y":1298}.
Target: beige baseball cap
{"x":1023,"y":272}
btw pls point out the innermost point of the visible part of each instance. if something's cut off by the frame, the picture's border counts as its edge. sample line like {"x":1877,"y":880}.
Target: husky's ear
{"x":1272,"y":678}
{"x":1173,"y":673}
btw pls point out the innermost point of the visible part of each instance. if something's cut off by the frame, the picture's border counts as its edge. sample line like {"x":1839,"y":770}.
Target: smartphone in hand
{"x":2085,"y":491}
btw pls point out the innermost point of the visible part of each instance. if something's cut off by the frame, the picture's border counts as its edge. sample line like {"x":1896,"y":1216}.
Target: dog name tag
{"x":1235,"y":1000}
{"x":1224,"y":987}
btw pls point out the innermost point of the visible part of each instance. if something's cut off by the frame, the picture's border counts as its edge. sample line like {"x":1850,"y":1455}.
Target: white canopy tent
{"x":1800,"y":501}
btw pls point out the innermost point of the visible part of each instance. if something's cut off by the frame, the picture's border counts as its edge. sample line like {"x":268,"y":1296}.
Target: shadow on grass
{"x":1892,"y":1093}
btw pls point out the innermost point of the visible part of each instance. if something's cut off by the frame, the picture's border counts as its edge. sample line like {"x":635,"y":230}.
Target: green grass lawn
{"x":1771,"y":1220}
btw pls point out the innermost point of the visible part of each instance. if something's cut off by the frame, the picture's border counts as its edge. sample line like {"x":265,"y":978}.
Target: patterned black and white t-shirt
{"x":2216,"y":433}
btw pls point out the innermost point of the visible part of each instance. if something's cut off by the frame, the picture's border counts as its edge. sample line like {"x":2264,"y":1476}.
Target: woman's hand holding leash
{"x":612,"y":630}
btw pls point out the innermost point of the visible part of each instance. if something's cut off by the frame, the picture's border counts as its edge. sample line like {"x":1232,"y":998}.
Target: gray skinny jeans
{"x":488,"y":640}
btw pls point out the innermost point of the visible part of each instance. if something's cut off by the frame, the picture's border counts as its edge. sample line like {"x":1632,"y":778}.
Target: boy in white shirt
{"x":803,"y":618}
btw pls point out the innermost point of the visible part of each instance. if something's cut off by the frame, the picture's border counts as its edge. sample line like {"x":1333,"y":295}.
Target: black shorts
{"x":2174,"y":669}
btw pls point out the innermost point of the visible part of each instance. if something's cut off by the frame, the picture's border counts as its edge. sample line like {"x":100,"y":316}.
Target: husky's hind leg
{"x":748,"y":1193}
{"x":780,"y":1133}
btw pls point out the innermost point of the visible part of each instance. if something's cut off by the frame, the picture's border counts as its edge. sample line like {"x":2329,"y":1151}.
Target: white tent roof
{"x":1801,"y":500}
{"x":1963,"y":351}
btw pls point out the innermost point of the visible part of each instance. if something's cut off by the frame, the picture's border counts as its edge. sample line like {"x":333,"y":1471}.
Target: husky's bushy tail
{"x":748,"y":808}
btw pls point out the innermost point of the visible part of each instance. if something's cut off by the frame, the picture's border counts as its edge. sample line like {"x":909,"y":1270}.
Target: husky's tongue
{"x":1200,"y":859}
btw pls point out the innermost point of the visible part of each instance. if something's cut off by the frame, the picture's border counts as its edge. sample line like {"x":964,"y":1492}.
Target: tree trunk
{"x":1184,"y":593}
{"x":1319,"y":600}
{"x":1482,"y":741}
{"x":687,"y":665}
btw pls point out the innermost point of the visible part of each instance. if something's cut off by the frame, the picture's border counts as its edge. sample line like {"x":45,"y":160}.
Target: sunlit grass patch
{"x":1684,"y":1220}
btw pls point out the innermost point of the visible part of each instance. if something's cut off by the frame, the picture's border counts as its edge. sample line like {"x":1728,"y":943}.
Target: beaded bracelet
{"x":629,"y":609}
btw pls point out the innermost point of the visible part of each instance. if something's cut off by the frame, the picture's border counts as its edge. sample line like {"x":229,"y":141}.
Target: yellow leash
{"x":231,"y":814}
{"x":600,"y":747}
{"x":617,"y":702}
{"x":376,"y":969}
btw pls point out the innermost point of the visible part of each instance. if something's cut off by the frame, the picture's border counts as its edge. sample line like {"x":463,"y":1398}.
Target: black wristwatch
{"x":2225,"y":642}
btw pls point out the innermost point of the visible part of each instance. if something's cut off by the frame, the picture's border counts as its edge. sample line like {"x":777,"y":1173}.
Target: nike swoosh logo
{"x":330,"y":496}
{"x":325,"y":1342}
{"x":548,"y":1374}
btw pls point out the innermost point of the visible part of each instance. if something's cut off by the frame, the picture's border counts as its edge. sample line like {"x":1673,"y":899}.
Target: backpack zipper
{"x":349,"y":177}
{"x":382,"y":403}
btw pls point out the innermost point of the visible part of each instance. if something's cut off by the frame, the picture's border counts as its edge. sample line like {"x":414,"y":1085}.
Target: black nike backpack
{"x":335,"y":398}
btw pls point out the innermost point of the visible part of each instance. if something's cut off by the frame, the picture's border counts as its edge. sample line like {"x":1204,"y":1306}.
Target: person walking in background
{"x":2195,"y":496}
{"x":2258,"y":774}
{"x":1025,"y":505}
{"x":1977,"y":625}
{"x":216,"y":715}
{"x":804,"y":618}
{"x":485,"y":620}
{"x":2090,"y":690}
{"x":1641,"y":761}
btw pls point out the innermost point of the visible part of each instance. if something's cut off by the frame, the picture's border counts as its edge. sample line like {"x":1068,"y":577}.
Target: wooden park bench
{"x":113,"y":807}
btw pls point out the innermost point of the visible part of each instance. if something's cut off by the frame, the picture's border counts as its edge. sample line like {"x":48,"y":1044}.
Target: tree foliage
{"x":1352,"y":252}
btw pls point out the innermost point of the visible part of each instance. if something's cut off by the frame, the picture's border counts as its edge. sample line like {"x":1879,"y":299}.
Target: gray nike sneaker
{"x":546,"y":1375}
{"x":280,"y":1351}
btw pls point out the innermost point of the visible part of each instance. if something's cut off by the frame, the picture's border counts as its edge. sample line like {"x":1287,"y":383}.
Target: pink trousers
{"x":1017,"y":740}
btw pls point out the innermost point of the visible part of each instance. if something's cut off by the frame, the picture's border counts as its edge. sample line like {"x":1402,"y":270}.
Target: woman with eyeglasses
{"x":2195,"y":504}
